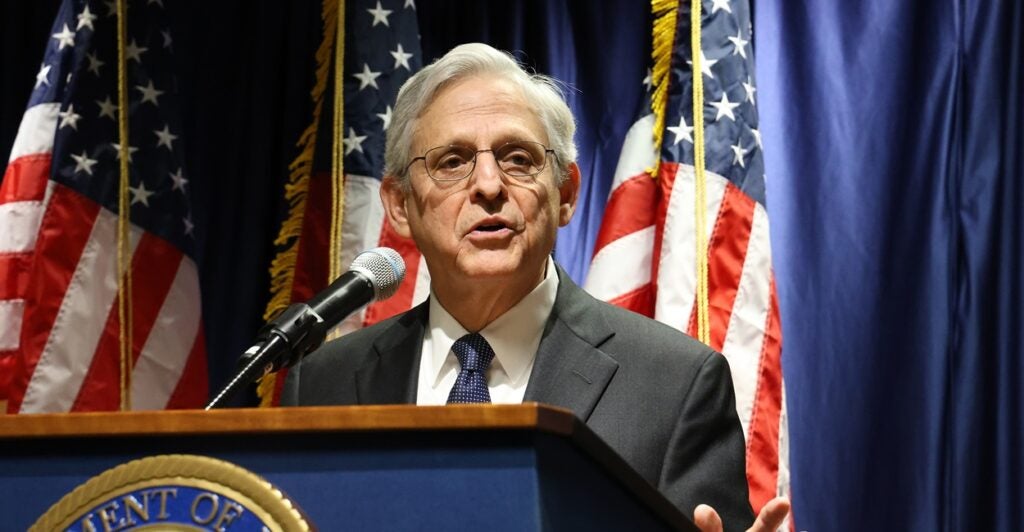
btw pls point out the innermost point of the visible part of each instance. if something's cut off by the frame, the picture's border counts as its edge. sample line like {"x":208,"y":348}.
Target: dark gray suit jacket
{"x":661,"y":399}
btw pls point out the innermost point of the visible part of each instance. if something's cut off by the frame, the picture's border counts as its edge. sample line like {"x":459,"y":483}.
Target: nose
{"x":487,"y":181}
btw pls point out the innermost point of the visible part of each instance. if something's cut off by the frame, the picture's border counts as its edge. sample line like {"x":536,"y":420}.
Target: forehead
{"x":480,"y":111}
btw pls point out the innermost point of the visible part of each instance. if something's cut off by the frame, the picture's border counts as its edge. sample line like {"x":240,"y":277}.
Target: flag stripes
{"x":647,"y":218}
{"x":59,"y":328}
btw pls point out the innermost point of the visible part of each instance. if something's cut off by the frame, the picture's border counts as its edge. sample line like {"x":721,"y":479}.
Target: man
{"x":481,"y":172}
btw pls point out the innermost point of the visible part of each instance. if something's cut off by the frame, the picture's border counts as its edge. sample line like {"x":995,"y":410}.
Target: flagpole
{"x":124,"y":274}
{"x":337,"y":153}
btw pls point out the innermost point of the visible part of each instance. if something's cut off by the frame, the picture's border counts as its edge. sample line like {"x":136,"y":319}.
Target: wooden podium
{"x":486,"y":467}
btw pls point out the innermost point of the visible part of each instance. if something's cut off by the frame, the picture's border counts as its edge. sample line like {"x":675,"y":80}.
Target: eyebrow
{"x":498,"y":143}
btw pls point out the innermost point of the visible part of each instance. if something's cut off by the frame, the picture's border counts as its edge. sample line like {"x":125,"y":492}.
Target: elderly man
{"x":481,"y":172}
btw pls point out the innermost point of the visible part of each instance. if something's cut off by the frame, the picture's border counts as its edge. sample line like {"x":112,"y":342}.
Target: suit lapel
{"x":570,"y":370}
{"x":391,"y":377}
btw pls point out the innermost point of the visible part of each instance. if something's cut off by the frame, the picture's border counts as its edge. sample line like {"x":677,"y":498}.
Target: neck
{"x":478,"y":302}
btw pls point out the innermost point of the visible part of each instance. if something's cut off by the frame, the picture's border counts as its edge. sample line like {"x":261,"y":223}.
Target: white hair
{"x":468,"y":60}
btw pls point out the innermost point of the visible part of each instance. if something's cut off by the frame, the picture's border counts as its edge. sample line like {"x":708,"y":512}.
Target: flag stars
{"x":380,"y":15}
{"x":367,"y":78}
{"x":165,"y":137}
{"x":739,"y":45}
{"x":725,"y":108}
{"x":111,"y":8}
{"x":705,"y":65}
{"x":43,"y":76}
{"x":353,"y":142}
{"x":749,"y":88}
{"x":757,"y":137}
{"x":737,"y":154}
{"x":179,"y":181}
{"x":65,"y":38}
{"x":140,"y":194}
{"x":167,"y":38}
{"x":69,"y":117}
{"x":117,"y":148}
{"x":720,"y":5}
{"x":410,"y":4}
{"x":94,"y":63}
{"x":149,"y":93}
{"x":401,"y":58}
{"x":649,"y":80}
{"x":385,"y":117}
{"x":682,"y":131}
{"x":107,"y":108}
{"x":83,"y":163}
{"x":134,"y":51}
{"x":85,"y":19}
{"x":189,"y":226}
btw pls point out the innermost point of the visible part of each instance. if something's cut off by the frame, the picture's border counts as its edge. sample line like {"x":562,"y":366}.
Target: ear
{"x":569,"y":192}
{"x":393,"y":197}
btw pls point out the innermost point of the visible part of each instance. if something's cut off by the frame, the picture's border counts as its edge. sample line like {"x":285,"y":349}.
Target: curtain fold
{"x":895,"y":188}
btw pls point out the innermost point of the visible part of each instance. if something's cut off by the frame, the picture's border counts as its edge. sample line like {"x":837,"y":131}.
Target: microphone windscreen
{"x":384,"y":267}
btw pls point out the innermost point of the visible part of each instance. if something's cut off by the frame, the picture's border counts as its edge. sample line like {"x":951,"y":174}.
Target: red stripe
{"x":63,"y":233}
{"x":193,"y":389}
{"x":281,"y":377}
{"x":629,"y":209}
{"x":640,"y":300}
{"x":154,"y":266}
{"x":7,"y":360}
{"x":763,"y":441}
{"x":727,"y":252}
{"x":14,"y":270}
{"x":402,"y":300}
{"x":25,"y":179}
{"x":666,"y":180}
{"x":312,"y":262}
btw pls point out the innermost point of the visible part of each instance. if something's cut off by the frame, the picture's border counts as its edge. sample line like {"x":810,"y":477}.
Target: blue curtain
{"x":895,"y":187}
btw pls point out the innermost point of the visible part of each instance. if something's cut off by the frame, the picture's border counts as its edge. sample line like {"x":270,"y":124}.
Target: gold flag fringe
{"x":663,"y":36}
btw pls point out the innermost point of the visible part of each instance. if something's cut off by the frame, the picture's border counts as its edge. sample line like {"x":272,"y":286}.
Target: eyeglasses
{"x":519,"y":159}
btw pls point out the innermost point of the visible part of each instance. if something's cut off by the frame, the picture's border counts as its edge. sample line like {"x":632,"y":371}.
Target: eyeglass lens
{"x":515,"y":159}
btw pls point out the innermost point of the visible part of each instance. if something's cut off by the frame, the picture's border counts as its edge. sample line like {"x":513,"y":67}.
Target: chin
{"x":492,"y":265}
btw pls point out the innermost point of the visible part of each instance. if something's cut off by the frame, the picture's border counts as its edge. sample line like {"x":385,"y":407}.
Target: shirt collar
{"x":514,"y":336}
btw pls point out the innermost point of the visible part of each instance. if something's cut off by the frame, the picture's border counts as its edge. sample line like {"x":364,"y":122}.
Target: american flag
{"x":381,"y":51}
{"x":59,"y":326}
{"x":378,"y":68}
{"x":645,"y":255}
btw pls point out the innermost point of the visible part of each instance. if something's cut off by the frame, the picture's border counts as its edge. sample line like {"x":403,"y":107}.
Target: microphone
{"x":374,"y":275}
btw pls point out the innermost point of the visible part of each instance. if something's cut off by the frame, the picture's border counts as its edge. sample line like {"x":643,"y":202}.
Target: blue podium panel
{"x":516,"y":479}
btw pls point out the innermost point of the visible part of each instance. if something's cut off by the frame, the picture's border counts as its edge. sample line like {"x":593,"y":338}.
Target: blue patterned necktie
{"x":475,"y":355}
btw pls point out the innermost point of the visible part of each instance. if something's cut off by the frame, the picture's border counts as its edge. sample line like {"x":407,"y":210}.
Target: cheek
{"x":439,"y":220}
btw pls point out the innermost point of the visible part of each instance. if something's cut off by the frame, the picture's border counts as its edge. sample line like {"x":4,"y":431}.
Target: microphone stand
{"x":296,"y":332}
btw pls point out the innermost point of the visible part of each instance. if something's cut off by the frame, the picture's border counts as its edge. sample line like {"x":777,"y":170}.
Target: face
{"x":488,"y":226}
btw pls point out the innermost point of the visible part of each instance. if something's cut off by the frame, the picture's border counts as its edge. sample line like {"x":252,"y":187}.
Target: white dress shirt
{"x":514,"y":336}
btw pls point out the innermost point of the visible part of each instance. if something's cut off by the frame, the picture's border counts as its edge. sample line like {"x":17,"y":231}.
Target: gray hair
{"x":462,"y":62}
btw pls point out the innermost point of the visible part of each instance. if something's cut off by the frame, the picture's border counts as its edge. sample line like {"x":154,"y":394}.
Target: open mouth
{"x":490,"y":228}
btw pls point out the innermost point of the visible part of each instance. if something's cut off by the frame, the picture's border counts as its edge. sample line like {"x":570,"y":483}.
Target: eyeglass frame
{"x":476,"y":153}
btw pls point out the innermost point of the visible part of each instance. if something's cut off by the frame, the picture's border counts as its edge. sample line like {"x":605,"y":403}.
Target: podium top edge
{"x":305,"y":419}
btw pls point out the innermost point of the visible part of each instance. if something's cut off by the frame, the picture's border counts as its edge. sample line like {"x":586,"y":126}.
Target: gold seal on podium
{"x":174,"y":492}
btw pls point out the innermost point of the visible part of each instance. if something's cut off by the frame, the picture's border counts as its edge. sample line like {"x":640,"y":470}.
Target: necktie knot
{"x":473,"y":352}
{"x":475,"y":355}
